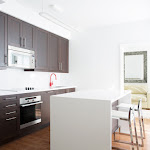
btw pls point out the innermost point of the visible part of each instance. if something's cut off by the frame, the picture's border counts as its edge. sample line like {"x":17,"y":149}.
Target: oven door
{"x":30,"y":114}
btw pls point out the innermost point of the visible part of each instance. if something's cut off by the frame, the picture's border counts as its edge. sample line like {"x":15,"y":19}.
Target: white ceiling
{"x":93,"y":13}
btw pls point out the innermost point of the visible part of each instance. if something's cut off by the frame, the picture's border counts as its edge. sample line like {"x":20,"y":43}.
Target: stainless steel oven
{"x":30,"y":111}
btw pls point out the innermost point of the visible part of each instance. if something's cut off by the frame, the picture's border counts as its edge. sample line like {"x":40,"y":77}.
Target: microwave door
{"x":21,"y":59}
{"x":16,"y":60}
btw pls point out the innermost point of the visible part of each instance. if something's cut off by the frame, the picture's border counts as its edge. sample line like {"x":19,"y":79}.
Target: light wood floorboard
{"x":40,"y":140}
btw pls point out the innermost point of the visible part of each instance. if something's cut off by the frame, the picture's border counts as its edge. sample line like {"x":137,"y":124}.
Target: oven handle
{"x":31,"y":104}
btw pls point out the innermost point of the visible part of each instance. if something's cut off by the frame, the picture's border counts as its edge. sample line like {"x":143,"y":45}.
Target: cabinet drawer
{"x":70,"y":90}
{"x":8,"y":98}
{"x":61,"y":91}
{"x":10,"y":105}
{"x":6,"y":114}
{"x":51,"y":92}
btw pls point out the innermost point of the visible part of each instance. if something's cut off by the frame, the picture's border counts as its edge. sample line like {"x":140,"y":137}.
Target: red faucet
{"x":51,"y":83}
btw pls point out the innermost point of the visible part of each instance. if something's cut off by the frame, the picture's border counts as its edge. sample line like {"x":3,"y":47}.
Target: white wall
{"x":95,"y":54}
{"x":17,"y":78}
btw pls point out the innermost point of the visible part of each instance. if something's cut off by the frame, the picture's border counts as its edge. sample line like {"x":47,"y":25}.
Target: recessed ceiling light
{"x":2,"y":1}
{"x":56,"y":8}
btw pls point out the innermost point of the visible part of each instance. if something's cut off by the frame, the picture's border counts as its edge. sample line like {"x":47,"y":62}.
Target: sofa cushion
{"x":137,"y":97}
{"x":137,"y":88}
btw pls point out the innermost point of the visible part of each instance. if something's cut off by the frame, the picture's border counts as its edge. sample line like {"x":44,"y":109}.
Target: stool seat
{"x":137,"y":108}
{"x":124,"y":105}
{"x":126,"y":116}
{"x":120,"y":115}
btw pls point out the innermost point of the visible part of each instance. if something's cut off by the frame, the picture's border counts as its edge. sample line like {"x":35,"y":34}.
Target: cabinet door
{"x":3,"y":40}
{"x":64,"y":53}
{"x":42,"y":50}
{"x":14,"y":32}
{"x":54,"y":53}
{"x":8,"y":128}
{"x":46,"y":107}
{"x":28,"y":33}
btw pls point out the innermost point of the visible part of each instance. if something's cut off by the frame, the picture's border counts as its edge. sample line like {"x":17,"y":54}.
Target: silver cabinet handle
{"x":13,"y":112}
{"x":61,"y":66}
{"x":35,"y":63}
{"x":13,"y":105}
{"x":11,"y":118}
{"x":9,"y":98}
{"x":31,"y":104}
{"x":21,"y":42}
{"x":5,"y":59}
{"x":24,"y":42}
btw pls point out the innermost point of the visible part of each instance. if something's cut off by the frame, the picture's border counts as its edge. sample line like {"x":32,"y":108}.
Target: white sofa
{"x":139,"y":91}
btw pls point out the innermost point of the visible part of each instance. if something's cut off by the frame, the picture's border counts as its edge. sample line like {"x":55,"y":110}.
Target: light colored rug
{"x":146,"y":114}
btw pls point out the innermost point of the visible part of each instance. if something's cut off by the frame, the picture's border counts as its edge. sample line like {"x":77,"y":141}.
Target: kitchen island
{"x":82,"y":120}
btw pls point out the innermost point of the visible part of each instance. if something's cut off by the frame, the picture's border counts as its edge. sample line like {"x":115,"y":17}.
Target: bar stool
{"x":126,"y":116}
{"x":137,"y":108}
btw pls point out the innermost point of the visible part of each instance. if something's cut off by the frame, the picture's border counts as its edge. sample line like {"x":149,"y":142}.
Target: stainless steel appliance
{"x":21,"y":58}
{"x":30,"y":111}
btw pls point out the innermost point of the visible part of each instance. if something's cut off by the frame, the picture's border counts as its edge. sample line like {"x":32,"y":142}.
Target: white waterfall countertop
{"x":107,"y":95}
{"x":82,"y":120}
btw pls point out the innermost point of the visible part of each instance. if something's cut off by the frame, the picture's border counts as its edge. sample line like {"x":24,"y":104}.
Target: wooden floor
{"x":40,"y":140}
{"x":128,"y":147}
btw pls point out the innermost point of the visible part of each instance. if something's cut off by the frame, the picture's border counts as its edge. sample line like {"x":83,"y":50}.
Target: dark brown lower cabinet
{"x":9,"y":117}
{"x":46,"y":107}
{"x":46,"y":103}
{"x":10,"y":114}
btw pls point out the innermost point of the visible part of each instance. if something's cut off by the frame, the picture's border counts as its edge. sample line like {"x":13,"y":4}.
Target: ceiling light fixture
{"x":55,"y":20}
{"x":2,"y":1}
{"x":56,"y":8}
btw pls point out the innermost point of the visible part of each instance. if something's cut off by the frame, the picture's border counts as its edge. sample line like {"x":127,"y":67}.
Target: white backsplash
{"x":17,"y":78}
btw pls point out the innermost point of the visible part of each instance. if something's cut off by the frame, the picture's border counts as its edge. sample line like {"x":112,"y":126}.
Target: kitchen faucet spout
{"x":51,"y":83}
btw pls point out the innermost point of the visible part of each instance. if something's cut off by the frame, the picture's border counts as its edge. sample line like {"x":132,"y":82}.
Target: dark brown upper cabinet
{"x":3,"y":40}
{"x":54,"y":64}
{"x":64,"y":55}
{"x":28,"y":32}
{"x":42,"y":47}
{"x":58,"y":54}
{"x":14,"y":32}
{"x":51,"y":51}
{"x":20,"y":34}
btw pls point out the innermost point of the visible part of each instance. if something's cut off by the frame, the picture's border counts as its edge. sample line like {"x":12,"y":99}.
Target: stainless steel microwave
{"x":21,"y":58}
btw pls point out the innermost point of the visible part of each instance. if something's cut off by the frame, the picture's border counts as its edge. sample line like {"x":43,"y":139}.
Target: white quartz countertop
{"x":4,"y":92}
{"x":108,"y":95}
